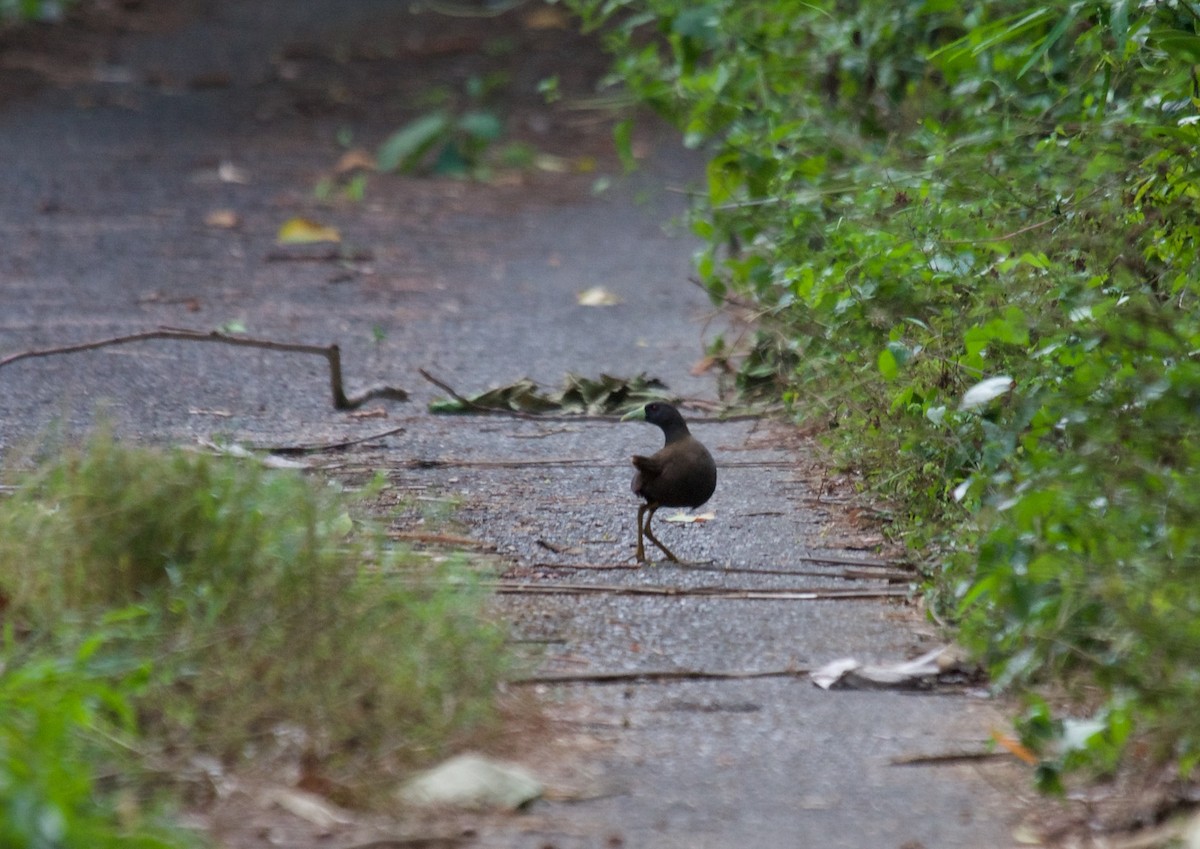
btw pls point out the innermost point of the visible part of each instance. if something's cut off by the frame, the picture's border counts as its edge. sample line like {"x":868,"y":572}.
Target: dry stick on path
{"x":889,"y":575}
{"x":885,"y":569}
{"x":320,"y":447}
{"x":657,"y":675}
{"x":945,"y":758}
{"x":332,"y":354}
{"x":791,"y":594}
{"x":441,"y":539}
{"x":500,"y":464}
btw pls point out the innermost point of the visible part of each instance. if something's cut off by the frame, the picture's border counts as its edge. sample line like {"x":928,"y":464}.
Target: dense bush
{"x":971,"y":229}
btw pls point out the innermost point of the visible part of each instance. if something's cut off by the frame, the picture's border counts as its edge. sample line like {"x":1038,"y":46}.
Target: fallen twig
{"x":651,"y":675}
{"x":588,"y":566}
{"x":525,"y":587}
{"x":551,"y":546}
{"x":838,"y":560}
{"x":432,"y":842}
{"x":318,"y":447}
{"x":942,"y":758}
{"x":438,"y":463}
{"x":850,"y":574}
{"x":440,"y":539}
{"x":892,"y":576}
{"x":332,"y":354}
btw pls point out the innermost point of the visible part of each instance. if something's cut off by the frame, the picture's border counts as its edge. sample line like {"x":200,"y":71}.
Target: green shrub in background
{"x":992,"y":203}
{"x":33,"y":10}
{"x":252,"y":608}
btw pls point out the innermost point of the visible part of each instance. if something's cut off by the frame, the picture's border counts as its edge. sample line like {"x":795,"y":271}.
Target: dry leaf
{"x":550,"y":162}
{"x":1014,"y":746}
{"x":223,"y":219}
{"x":227,"y":172}
{"x":200,"y":411}
{"x":689,"y":518}
{"x":848,"y":673}
{"x":597,"y":296}
{"x":298,"y":231}
{"x":307,"y":806}
{"x":355,"y":160}
{"x":606,"y":394}
{"x":546,"y":17}
{"x":703,"y":364}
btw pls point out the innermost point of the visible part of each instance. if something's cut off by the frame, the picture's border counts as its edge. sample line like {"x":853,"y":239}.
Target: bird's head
{"x":662,"y":414}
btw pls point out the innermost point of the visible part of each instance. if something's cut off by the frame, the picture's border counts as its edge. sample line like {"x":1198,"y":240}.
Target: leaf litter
{"x":605,"y":395}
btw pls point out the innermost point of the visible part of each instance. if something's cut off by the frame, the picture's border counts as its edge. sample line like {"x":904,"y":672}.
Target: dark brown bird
{"x":681,"y":474}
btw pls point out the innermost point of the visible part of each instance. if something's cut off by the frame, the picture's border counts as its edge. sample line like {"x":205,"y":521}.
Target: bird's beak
{"x":638,"y":415}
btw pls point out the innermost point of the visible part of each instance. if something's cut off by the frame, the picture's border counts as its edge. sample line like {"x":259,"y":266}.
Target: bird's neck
{"x":676,"y":432}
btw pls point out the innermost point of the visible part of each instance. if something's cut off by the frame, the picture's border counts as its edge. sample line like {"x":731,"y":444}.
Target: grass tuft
{"x":240,"y":607}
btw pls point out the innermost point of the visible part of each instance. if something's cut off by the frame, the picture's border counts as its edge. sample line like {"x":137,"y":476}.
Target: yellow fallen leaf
{"x":1015,"y":747}
{"x":355,"y":160}
{"x":597,"y":296}
{"x":550,"y":162}
{"x":689,"y":518}
{"x":222,"y":219}
{"x":303,"y":230}
{"x":546,"y":17}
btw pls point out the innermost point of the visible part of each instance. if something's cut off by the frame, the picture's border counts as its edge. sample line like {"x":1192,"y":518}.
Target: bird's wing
{"x":650,"y":467}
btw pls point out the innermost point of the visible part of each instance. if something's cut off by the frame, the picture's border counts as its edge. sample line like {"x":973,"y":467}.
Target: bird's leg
{"x":650,"y":535}
{"x":641,"y":554}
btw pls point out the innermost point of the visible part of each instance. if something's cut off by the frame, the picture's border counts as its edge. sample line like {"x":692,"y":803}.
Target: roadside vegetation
{"x":165,"y":610}
{"x":969,"y":231}
{"x":18,"y":10}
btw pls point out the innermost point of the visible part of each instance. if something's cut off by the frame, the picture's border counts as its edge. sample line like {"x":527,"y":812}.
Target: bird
{"x":681,"y":474}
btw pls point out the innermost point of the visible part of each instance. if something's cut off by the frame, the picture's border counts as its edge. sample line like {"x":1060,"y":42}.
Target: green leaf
{"x":1181,"y":45}
{"x":484,"y":126}
{"x":1050,"y":40}
{"x":404,"y":148}
{"x":451,"y":162}
{"x":886,"y":362}
{"x":724,"y":179}
{"x":697,"y":23}
{"x":623,"y":139}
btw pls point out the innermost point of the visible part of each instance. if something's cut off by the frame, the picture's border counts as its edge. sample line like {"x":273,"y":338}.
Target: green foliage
{"x":447,"y":141}
{"x":928,"y":197}
{"x":32,"y":10}
{"x":253,"y":603}
{"x":56,"y":716}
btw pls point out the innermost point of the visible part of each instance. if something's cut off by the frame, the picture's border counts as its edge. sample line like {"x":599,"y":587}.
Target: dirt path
{"x":116,"y":151}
